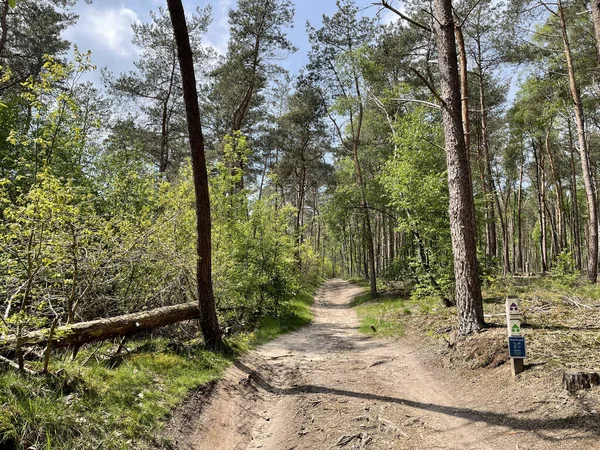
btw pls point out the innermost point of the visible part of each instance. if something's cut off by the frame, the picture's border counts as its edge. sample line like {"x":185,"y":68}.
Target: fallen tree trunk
{"x":97,"y":330}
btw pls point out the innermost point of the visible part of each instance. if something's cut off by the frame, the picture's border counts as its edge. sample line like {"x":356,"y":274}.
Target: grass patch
{"x":363,"y":282}
{"x":101,"y":404}
{"x":119,"y":403}
{"x":293,"y":315}
{"x":390,"y":314}
{"x":360,"y":299}
{"x":384,"y":315}
{"x":560,"y":322}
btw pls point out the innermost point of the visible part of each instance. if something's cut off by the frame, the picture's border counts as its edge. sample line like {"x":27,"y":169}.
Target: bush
{"x":563,"y":271}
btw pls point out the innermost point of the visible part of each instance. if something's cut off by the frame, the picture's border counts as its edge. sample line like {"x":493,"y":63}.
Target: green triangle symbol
{"x":516,"y":328}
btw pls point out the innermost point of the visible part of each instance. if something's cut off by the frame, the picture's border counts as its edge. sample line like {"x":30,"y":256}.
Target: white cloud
{"x":106,"y":29}
{"x":217,"y":35}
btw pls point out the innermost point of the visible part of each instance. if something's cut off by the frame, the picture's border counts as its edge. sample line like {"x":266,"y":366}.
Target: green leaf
{"x":12,"y":3}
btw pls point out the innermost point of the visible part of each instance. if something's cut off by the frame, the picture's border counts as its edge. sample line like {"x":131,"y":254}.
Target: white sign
{"x":512,"y":306}
{"x":514,"y":327}
{"x":513,"y":316}
{"x":516,"y":343}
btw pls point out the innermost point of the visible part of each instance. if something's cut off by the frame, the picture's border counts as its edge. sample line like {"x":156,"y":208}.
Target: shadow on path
{"x":576,"y":422}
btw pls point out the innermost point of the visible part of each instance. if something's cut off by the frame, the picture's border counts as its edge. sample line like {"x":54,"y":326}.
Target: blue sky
{"x":104,"y":27}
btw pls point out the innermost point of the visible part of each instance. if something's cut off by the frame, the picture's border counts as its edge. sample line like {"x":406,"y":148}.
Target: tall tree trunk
{"x":464,"y":89}
{"x":576,"y":227}
{"x":391,"y":242}
{"x":300,"y":209}
{"x":503,"y":217}
{"x":163,"y":163}
{"x":384,"y":243}
{"x":208,"y":314}
{"x":595,"y":7}
{"x":561,"y":238}
{"x":264,"y":174}
{"x":4,"y":33}
{"x":513,"y":225}
{"x":239,"y":115}
{"x":462,"y":210}
{"x":592,"y":243}
{"x":521,"y":262}
{"x":539,"y":176}
{"x":487,"y":178}
{"x":365,"y":205}
{"x":350,"y":248}
{"x":365,"y":251}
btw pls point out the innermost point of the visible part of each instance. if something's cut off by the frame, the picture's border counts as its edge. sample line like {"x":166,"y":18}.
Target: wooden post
{"x":516,"y":343}
{"x":516,"y":366}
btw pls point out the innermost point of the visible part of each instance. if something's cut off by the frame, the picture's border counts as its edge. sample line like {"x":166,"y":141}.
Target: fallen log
{"x":96,"y":330}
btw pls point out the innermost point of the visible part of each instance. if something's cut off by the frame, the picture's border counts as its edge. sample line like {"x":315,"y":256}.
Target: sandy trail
{"x":328,"y":386}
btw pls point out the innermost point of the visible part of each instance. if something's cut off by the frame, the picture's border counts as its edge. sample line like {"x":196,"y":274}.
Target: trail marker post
{"x":516,"y":342}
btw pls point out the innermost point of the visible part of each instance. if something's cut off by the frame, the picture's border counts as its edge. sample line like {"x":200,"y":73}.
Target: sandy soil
{"x":327,"y":386}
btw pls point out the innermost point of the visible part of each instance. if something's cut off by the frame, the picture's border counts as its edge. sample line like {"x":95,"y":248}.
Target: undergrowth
{"x":561,"y":313}
{"x":388,"y":314}
{"x":108,"y":401}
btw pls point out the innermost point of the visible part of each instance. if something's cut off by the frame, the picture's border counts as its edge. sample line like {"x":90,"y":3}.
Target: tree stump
{"x":574,"y":380}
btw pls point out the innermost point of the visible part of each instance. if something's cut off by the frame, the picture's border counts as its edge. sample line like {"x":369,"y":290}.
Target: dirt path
{"x":328,"y":386}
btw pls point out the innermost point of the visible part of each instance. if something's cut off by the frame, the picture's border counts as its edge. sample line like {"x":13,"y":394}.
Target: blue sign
{"x":516,"y":347}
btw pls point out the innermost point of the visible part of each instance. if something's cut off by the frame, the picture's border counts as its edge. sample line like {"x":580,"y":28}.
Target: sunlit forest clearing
{"x":361,"y":212}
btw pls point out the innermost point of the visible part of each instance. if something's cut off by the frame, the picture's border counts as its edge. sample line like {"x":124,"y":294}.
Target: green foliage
{"x":253,"y":251}
{"x":110,"y":236}
{"x":93,"y":404}
{"x":155,"y":87}
{"x":563,"y":271}
{"x":293,"y":315}
{"x":117,"y":402}
{"x":44,"y":237}
{"x":400,"y":269}
{"x":257,"y":41}
{"x":415,"y":179}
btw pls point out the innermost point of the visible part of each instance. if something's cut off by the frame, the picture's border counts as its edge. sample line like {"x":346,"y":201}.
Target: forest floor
{"x":329,"y":386}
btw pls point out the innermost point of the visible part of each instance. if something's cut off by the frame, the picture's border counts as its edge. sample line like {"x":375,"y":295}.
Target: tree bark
{"x":209,"y":322}
{"x":490,"y":223}
{"x":164,"y":130}
{"x":101,"y":329}
{"x":576,"y":228}
{"x":592,"y":244}
{"x":464,"y":89}
{"x":3,"y":25}
{"x":521,"y":262}
{"x":462,"y":211}
{"x":503,"y":217}
{"x":365,"y":205}
{"x":574,"y":380}
{"x":300,"y":209}
{"x":561,"y":237}
{"x":539,"y":176}
{"x":595,"y":7}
